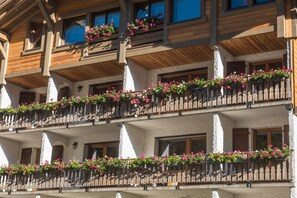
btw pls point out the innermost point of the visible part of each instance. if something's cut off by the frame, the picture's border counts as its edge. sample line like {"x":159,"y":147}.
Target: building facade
{"x":72,"y":88}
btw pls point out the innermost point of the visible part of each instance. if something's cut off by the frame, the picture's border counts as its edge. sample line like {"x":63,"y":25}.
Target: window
{"x":234,"y":4}
{"x":99,"y":150}
{"x":184,"y":75}
{"x":26,"y":156}
{"x":35,"y":35}
{"x":57,"y":152}
{"x":109,"y":17}
{"x":264,"y":137}
{"x":181,"y":145}
{"x":102,"y":88}
{"x":237,"y":67}
{"x":63,"y":93}
{"x":184,"y":10}
{"x":27,"y":97}
{"x":267,"y":65}
{"x":74,"y":30}
{"x":153,"y":8}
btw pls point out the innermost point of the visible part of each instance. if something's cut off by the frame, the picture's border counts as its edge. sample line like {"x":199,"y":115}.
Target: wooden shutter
{"x":27,"y":97}
{"x":26,"y":156}
{"x":63,"y":93}
{"x":57,"y":152}
{"x":286,"y":135}
{"x":236,"y":66}
{"x":241,"y":139}
{"x":37,"y":157}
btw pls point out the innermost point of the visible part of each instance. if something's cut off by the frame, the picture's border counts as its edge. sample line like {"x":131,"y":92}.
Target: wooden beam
{"x":214,"y":23}
{"x":48,"y":52}
{"x":46,"y":14}
{"x":2,"y":52}
{"x":4,"y":36}
{"x":17,"y":15}
{"x":3,"y":64}
{"x":20,"y":22}
{"x":51,"y":3}
{"x":12,"y":9}
{"x":281,"y":20}
{"x":122,"y":32}
{"x":294,"y":17}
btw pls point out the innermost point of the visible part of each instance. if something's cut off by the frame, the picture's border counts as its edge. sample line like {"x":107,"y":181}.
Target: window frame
{"x":29,"y":51}
{"x":107,"y":85}
{"x":188,"y":138}
{"x":149,"y":2}
{"x":105,"y":12}
{"x":267,"y":63}
{"x":268,"y":132}
{"x":251,"y":5}
{"x":201,"y":18}
{"x":189,"y":73}
{"x":104,"y":145}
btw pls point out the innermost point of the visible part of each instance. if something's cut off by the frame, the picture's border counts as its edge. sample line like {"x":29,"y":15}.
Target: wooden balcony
{"x":197,"y":99}
{"x":245,"y":172}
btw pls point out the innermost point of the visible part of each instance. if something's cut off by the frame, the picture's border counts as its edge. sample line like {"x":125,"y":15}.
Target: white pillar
{"x":218,"y":71}
{"x":135,"y":77}
{"x":9,"y":151}
{"x":46,"y":149}
{"x":125,"y":195}
{"x":293,"y":146}
{"x":215,"y":193}
{"x":10,"y":95}
{"x":218,"y":134}
{"x":131,"y":142}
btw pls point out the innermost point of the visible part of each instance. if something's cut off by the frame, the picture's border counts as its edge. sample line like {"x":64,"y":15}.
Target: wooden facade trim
{"x":214,"y":23}
{"x":3,"y":62}
{"x":23,"y":73}
{"x":294,"y":17}
{"x":2,"y":51}
{"x":4,"y":36}
{"x":23,"y":20}
{"x":86,"y":61}
{"x":250,"y":32}
{"x":122,"y":31}
{"x":281,"y":20}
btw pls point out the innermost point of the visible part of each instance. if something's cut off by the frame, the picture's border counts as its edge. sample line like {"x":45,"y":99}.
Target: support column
{"x":125,"y":195}
{"x":9,"y":96}
{"x":9,"y":151}
{"x":53,"y":86}
{"x":215,"y":193}
{"x":48,"y":140}
{"x":135,"y":77}
{"x":221,"y":56}
{"x":293,"y":146}
{"x":131,"y":141}
{"x":222,"y":133}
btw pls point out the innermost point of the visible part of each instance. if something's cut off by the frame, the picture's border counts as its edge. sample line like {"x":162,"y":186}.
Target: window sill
{"x":68,"y":47}
{"x":188,"y":22}
{"x":32,"y":51}
{"x":247,"y":9}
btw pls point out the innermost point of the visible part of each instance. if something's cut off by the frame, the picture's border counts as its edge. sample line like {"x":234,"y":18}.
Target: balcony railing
{"x":266,"y":91}
{"x":244,"y":172}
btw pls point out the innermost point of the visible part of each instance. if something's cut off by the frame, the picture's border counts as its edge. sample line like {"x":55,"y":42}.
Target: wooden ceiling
{"x":175,"y":57}
{"x":254,"y":44}
{"x":92,"y":71}
{"x":29,"y":81}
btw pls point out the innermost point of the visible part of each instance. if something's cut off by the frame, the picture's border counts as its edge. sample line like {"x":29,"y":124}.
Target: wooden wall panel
{"x":242,"y":21}
{"x":17,"y":62}
{"x":66,"y":6}
{"x":294,"y":66}
{"x":192,"y":32}
{"x":65,"y":57}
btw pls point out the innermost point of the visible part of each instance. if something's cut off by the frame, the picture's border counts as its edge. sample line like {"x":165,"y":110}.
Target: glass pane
{"x":186,"y":10}
{"x":171,"y":147}
{"x":74,"y":30}
{"x":35,"y":35}
{"x":96,"y":153}
{"x":99,"y":20}
{"x":114,"y":18}
{"x":141,"y":10}
{"x":261,"y":140}
{"x":257,"y":67}
{"x":262,"y":1}
{"x":276,"y":138}
{"x":238,"y":3}
{"x":112,"y":151}
{"x":198,"y":145}
{"x":176,"y":79}
{"x":158,"y":9}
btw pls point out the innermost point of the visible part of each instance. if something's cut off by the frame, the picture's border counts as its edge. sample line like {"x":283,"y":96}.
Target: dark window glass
{"x":35,"y":35}
{"x":150,"y":9}
{"x":26,"y":156}
{"x":184,"y":76}
{"x":186,"y":9}
{"x":265,"y":137}
{"x":233,"y":4}
{"x":107,"y":18}
{"x":100,"y":150}
{"x":74,"y":30}
{"x":261,"y":140}
{"x":262,"y":1}
{"x":276,"y":138}
{"x":266,"y":66}
{"x":181,"y":145}
{"x":102,"y":88}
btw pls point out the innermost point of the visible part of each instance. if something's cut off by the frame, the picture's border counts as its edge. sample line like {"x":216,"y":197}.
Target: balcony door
{"x":276,"y":137}
{"x":100,"y":150}
{"x":26,"y":156}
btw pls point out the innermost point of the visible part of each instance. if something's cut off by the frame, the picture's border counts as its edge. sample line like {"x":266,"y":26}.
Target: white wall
{"x":9,"y":151}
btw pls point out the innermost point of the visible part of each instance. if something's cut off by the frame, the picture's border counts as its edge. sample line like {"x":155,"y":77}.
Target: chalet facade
{"x":183,"y":81}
